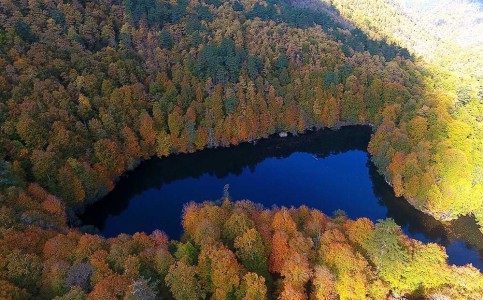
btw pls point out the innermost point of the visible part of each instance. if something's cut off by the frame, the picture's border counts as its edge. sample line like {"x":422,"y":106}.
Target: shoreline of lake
{"x":195,"y":165}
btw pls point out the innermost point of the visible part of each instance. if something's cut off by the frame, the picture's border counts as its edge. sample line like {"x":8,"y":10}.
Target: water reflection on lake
{"x":327,"y":170}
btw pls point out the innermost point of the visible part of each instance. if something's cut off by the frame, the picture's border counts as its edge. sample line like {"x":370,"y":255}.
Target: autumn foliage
{"x":90,"y":88}
{"x":276,"y":255}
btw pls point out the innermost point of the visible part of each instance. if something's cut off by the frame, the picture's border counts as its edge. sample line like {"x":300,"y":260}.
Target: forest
{"x":440,"y":36}
{"x":233,"y":250}
{"x":88,"y":89}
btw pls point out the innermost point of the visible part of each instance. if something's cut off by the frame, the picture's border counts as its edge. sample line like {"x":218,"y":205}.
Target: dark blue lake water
{"x":327,"y":170}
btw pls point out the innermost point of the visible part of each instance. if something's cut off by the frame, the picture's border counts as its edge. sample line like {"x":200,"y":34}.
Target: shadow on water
{"x":462,"y":238}
{"x":152,"y":195}
{"x":221,"y":162}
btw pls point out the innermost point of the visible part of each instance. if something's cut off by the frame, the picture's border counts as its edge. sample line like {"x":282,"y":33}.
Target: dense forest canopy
{"x":89,"y":88}
{"x":448,"y":33}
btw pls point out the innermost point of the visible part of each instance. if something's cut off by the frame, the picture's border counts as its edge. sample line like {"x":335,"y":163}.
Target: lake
{"x":325,"y":169}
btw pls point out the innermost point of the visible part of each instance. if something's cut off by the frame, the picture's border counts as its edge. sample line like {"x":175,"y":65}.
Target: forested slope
{"x":234,"y":251}
{"x":89,"y":88}
{"x":85,"y":97}
{"x":446,"y":35}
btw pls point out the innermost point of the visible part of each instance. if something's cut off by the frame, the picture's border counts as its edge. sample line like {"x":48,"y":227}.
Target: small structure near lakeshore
{"x":283,"y":134}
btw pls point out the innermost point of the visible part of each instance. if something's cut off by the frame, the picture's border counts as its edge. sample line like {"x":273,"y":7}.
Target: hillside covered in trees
{"x":446,"y":35}
{"x":234,"y":251}
{"x":90,"y":88}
